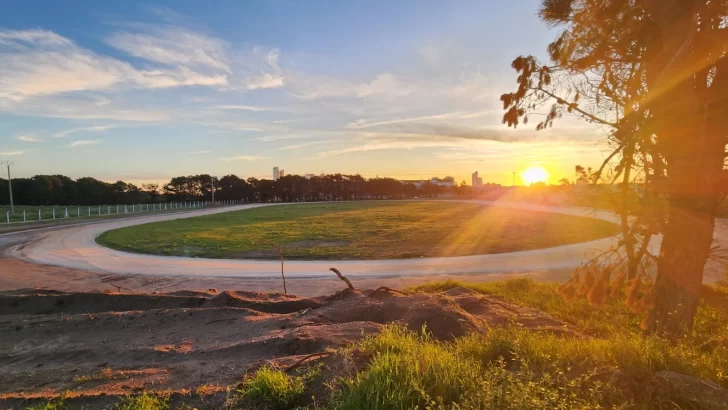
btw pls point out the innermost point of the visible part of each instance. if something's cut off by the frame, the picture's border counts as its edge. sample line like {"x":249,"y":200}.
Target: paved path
{"x":75,"y":247}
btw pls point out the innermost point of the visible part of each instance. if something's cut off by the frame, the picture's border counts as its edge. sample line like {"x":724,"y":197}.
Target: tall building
{"x":276,"y":174}
{"x":476,"y":182}
{"x":281,"y":174}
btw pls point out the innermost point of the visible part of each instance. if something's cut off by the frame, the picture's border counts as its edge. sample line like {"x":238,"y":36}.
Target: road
{"x":75,"y":248}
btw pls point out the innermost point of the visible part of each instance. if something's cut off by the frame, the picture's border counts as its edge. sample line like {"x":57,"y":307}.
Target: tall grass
{"x":513,"y":368}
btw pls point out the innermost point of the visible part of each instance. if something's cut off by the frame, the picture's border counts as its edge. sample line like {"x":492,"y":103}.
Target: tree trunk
{"x":684,"y":123}
{"x":684,"y":251}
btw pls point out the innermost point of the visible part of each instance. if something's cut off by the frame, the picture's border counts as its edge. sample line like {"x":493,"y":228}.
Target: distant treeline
{"x":62,"y":190}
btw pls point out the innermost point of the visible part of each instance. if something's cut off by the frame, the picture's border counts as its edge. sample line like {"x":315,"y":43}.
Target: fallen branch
{"x":388,"y":289}
{"x":342,"y":277}
{"x":306,"y":358}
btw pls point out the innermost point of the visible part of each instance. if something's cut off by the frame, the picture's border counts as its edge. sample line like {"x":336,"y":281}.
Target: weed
{"x":50,"y":405}
{"x":271,"y":388}
{"x":143,"y":401}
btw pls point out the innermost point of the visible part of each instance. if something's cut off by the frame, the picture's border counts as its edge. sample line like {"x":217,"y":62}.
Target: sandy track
{"x":75,"y":248}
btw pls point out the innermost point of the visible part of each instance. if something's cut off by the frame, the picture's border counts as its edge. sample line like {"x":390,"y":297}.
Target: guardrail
{"x":66,"y":212}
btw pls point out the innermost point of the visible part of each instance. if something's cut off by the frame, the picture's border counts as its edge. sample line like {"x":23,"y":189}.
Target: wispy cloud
{"x":39,"y":62}
{"x":81,"y":143}
{"x":11,"y":153}
{"x":242,"y":108}
{"x":269,"y":75}
{"x":304,"y":145}
{"x":29,"y":138}
{"x":387,"y":145}
{"x":243,"y":158}
{"x":174,"y":46}
{"x":265,"y":80}
{"x":196,"y":152}
{"x":384,"y":85}
{"x":375,"y":122}
{"x":95,"y":128}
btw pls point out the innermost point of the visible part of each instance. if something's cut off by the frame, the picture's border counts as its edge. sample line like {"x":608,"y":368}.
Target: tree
{"x":655,"y":74}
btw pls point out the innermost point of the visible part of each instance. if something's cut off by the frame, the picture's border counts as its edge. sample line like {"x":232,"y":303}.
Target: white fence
{"x":53,"y":213}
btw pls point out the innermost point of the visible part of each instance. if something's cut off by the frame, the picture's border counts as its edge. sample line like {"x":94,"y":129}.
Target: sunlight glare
{"x":534,"y":174}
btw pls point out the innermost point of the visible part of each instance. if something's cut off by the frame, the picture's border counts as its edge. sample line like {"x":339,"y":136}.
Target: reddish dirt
{"x":91,"y":344}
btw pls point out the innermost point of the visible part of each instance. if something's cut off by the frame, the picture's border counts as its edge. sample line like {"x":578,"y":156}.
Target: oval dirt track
{"x":75,"y":248}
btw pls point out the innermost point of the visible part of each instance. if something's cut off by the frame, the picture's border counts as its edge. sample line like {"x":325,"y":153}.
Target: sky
{"x":144,"y":91}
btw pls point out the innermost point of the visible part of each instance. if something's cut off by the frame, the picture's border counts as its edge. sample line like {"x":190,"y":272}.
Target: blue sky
{"x":143,"y":91}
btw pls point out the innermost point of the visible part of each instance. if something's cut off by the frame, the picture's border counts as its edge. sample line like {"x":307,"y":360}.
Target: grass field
{"x":359,"y":230}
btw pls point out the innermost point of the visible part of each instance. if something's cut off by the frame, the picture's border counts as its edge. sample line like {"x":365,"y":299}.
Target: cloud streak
{"x":11,"y":153}
{"x":81,"y":143}
{"x":95,"y":128}
{"x":29,"y":138}
{"x":243,"y":158}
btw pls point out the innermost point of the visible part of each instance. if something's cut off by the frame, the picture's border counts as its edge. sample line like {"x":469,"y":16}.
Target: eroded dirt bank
{"x":95,"y":345}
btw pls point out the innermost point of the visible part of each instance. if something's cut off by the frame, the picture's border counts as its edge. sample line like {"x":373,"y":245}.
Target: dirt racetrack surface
{"x":94,"y":345}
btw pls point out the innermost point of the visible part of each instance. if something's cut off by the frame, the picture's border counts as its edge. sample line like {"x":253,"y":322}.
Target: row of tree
{"x":62,"y":190}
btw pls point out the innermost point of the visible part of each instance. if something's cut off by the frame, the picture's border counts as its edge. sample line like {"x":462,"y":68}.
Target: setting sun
{"x":534,"y":174}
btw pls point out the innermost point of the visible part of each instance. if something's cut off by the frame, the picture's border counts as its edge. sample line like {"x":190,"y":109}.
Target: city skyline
{"x":141,"y":93}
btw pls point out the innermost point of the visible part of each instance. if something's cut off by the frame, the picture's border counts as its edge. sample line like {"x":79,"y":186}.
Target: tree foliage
{"x":61,"y":190}
{"x":654,"y":75}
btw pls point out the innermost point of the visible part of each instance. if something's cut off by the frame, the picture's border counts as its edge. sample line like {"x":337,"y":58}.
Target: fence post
{"x":117,"y":209}
{"x":54,"y":213}
{"x":108,"y":209}
{"x":78,"y":212}
{"x":23,"y":215}
{"x":99,"y":210}
{"x":7,"y":215}
{"x":39,"y":217}
{"x":89,"y":211}
{"x":65,"y":215}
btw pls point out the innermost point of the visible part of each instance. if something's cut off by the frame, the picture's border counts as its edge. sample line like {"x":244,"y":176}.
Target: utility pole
{"x":10,"y":185}
{"x":212,"y":179}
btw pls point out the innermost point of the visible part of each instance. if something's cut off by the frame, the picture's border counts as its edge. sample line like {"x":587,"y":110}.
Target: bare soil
{"x":91,"y":346}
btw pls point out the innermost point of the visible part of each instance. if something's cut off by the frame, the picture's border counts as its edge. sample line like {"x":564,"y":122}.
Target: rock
{"x":689,"y":388}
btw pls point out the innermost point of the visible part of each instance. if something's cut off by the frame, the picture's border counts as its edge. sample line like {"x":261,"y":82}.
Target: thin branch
{"x":577,"y":109}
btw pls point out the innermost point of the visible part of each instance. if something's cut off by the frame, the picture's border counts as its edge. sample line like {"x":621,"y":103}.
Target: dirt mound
{"x":494,"y":311}
{"x":54,"y":343}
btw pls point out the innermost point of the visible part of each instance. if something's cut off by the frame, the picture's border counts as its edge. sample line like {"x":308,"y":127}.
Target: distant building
{"x":276,"y":174}
{"x":309,"y":176}
{"x":476,"y":181}
{"x":281,"y":174}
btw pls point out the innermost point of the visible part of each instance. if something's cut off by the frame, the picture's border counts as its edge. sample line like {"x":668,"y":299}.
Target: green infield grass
{"x":359,"y":230}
